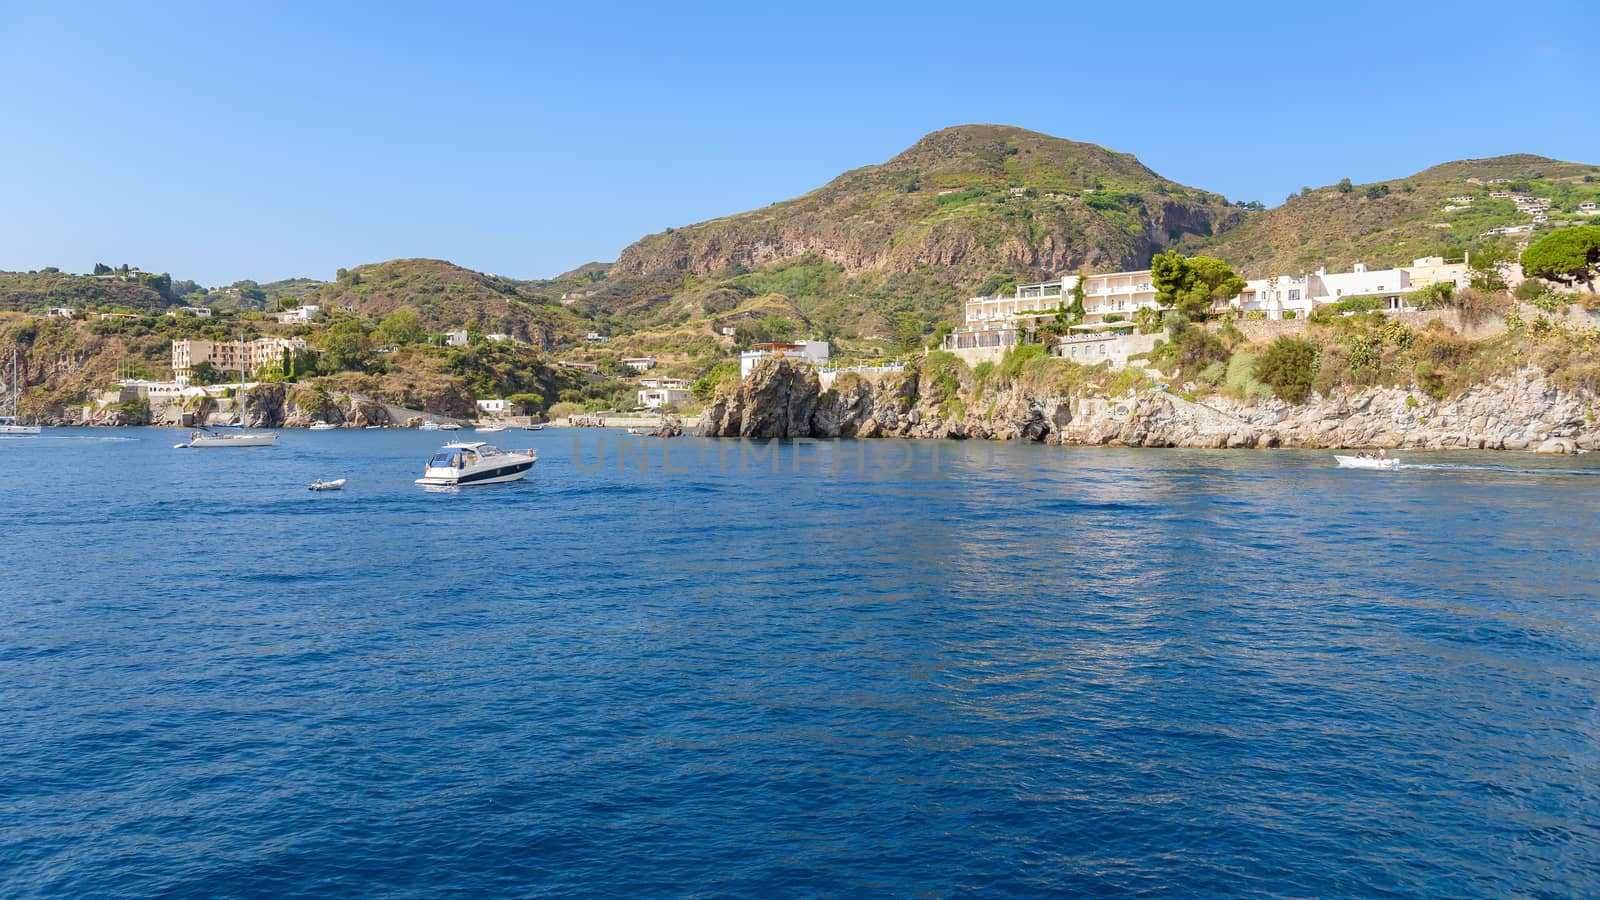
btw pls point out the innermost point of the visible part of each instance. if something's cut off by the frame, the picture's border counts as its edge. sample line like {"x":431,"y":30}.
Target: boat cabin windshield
{"x":462,"y":457}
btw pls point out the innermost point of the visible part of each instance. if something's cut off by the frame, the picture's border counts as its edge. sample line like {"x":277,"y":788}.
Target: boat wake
{"x":1506,"y":470}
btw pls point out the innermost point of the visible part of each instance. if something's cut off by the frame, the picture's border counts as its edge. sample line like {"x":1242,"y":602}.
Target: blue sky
{"x":290,"y":139}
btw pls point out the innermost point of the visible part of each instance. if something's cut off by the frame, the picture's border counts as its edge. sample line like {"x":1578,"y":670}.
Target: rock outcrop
{"x":1523,"y":411}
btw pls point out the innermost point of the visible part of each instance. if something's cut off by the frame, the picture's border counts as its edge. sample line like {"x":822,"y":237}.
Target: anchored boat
{"x":474,"y":462}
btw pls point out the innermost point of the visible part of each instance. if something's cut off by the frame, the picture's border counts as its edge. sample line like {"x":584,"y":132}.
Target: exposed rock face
{"x":1520,"y":412}
{"x":776,"y":400}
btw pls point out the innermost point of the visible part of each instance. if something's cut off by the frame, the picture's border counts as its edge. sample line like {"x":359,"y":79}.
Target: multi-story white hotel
{"x":997,"y":322}
{"x":227,"y":356}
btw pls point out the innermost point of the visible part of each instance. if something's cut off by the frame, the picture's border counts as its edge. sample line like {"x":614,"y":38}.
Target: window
{"x":1294,"y":294}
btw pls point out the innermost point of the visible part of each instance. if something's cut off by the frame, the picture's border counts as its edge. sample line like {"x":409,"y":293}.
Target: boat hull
{"x":248,"y":439}
{"x":1356,"y":462}
{"x":19,"y":430}
{"x":507,"y":471}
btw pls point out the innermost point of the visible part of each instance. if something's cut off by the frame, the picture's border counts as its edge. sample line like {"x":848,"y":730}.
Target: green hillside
{"x":1393,"y":222}
{"x":446,"y":296}
{"x":34,"y":291}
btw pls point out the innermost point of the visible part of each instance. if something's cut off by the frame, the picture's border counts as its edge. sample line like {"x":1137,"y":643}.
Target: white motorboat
{"x":9,"y":426}
{"x":489,"y":429}
{"x":335,"y":485}
{"x":449,"y":426}
{"x":474,"y":462}
{"x":323,"y":426}
{"x":428,"y":426}
{"x":207,"y":438}
{"x":1367,"y":462}
{"x":534,"y":427}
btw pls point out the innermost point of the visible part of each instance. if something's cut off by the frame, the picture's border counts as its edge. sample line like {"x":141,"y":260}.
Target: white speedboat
{"x":489,"y":429}
{"x":474,"y":462}
{"x":1367,"y":462}
{"x":449,"y":426}
{"x":323,"y":426}
{"x":534,"y":427}
{"x":335,"y":485}
{"x":428,"y":426}
{"x":205,"y":438}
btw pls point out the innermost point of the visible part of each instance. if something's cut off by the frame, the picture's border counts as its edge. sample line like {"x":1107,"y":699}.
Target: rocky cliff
{"x":1522,"y":411}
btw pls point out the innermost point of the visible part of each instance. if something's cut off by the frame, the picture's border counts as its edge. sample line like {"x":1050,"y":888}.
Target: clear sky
{"x":219,"y":141}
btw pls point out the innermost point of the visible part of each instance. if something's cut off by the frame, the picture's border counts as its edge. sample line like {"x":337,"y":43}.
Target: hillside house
{"x":810,"y":353}
{"x":639,"y":363}
{"x":665,"y":397}
{"x":301,"y":315}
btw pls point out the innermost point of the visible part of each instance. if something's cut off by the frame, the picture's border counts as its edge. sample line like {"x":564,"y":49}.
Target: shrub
{"x":1476,"y":305}
{"x":942,"y":374}
{"x":1399,"y":334}
{"x":1011,"y":364}
{"x":1289,"y":366}
{"x":1241,"y":381}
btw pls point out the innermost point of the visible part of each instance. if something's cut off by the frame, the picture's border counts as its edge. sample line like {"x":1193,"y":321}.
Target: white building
{"x":199,"y":312}
{"x":664,"y":397}
{"x":663,"y":383}
{"x":595,"y":337}
{"x":455,"y":338}
{"x":59,"y":312}
{"x":492,"y":407}
{"x":994,"y":323}
{"x":298,"y":316}
{"x":811,"y":353}
{"x":639,"y":363}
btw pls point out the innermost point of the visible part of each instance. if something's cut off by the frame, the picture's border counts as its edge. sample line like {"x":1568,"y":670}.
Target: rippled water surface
{"x":932,"y":668}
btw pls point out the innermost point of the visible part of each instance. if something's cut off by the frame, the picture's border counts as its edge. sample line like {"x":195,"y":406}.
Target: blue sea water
{"x":836,"y":668}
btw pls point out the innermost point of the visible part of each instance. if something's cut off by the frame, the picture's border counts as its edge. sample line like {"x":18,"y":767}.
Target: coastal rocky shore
{"x":1522,"y":411}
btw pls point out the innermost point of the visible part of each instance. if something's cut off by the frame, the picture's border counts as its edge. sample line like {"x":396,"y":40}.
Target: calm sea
{"x":853,"y":668}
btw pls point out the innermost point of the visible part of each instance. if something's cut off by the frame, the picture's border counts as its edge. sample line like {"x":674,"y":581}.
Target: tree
{"x":1192,"y":286}
{"x":399,"y":328}
{"x":907,"y":331}
{"x":1567,"y":256}
{"x":1486,"y":264}
{"x":1374,"y":191}
{"x":345,"y":347}
{"x":1345,"y":186}
{"x":529,"y":403}
{"x":102,"y":269}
